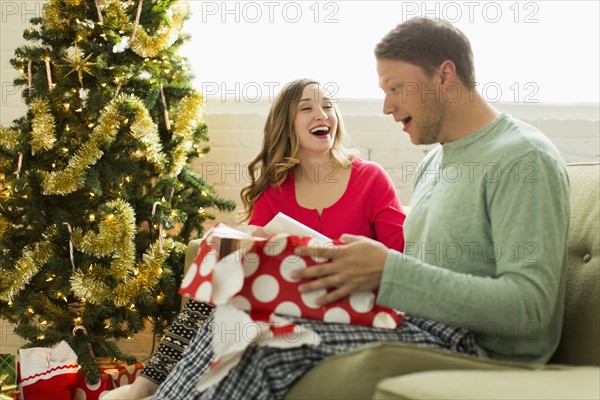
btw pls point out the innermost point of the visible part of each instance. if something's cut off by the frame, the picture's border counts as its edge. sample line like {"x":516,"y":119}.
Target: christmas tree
{"x":97,"y":199}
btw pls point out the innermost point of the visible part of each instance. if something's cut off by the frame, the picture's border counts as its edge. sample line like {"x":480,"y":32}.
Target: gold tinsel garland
{"x":143,"y":277}
{"x":191,"y":113}
{"x":4,"y":224}
{"x":9,"y":138}
{"x":115,"y":10}
{"x":149,"y":271}
{"x":115,"y":238}
{"x":42,"y":133}
{"x":26,"y":267}
{"x":53,"y":15}
{"x":149,"y":46}
{"x":143,"y":128}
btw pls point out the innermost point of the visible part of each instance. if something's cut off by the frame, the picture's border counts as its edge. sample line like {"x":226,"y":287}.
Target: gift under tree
{"x":97,"y":199}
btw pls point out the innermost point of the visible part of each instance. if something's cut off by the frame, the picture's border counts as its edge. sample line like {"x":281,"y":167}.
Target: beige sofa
{"x":402,"y":371}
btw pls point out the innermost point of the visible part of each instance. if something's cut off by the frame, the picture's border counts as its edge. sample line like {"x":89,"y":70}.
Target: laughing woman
{"x":305,"y":171}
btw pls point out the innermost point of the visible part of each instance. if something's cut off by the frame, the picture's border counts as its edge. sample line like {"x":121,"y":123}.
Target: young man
{"x":487,"y":231}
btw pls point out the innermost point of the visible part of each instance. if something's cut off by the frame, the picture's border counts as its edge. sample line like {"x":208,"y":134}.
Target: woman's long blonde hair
{"x":280,"y":145}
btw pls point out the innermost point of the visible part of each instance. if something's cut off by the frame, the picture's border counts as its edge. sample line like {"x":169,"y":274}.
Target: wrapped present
{"x":112,"y":376}
{"x":8,"y":377}
{"x":9,"y":395}
{"x":256,"y":277}
{"x":253,"y":291}
{"x":8,"y":369}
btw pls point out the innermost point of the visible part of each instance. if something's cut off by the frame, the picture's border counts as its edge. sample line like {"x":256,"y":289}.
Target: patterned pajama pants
{"x":268,"y":373}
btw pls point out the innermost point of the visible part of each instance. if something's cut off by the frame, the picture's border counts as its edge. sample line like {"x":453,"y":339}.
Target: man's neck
{"x":467,"y":116}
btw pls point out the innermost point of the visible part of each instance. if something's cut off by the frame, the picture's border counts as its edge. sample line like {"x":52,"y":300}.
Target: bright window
{"x":525,"y":51}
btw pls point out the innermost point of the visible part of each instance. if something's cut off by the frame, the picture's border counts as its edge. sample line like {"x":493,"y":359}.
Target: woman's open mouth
{"x":320,"y":130}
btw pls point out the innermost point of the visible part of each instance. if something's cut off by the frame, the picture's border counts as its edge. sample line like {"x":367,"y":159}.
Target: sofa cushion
{"x":579,"y":343}
{"x":355,"y":374}
{"x":572,"y":383}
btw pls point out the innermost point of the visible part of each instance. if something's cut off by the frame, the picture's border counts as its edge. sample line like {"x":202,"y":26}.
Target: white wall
{"x":236,"y":131}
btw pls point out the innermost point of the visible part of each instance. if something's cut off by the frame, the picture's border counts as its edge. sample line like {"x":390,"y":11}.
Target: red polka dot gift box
{"x":257,"y":279}
{"x":112,"y":376}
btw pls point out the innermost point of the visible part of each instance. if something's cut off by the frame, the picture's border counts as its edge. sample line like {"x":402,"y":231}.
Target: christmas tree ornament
{"x":99,"y":11}
{"x":165,"y":109}
{"x":122,"y":45}
{"x":48,"y":72}
{"x":71,"y":255}
{"x":29,"y":74}
{"x":78,"y":64}
{"x":160,"y":228}
{"x":19,"y":165}
{"x":137,"y":19}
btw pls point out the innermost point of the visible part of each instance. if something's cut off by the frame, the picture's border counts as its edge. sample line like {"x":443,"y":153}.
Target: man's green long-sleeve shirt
{"x":486,"y":241}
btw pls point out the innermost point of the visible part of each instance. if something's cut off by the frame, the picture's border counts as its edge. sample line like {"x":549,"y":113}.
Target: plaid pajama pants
{"x":268,"y":373}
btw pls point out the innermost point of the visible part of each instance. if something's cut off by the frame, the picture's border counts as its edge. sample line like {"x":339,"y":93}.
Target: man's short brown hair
{"x":427,"y":43}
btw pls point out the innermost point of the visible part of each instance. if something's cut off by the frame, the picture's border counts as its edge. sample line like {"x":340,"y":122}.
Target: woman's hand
{"x":355,"y":266}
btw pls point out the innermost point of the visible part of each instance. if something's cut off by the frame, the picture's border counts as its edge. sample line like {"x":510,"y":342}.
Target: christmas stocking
{"x":48,"y":374}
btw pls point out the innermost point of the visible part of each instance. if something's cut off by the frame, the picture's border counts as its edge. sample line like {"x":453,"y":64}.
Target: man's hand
{"x":355,"y":266}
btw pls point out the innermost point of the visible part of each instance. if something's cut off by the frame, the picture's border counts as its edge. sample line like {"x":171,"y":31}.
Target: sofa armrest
{"x":355,"y":374}
{"x":550,"y":383}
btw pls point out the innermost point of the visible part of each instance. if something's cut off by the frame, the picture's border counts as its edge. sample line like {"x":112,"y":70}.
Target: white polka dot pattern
{"x":112,"y":376}
{"x":208,"y":263}
{"x":362,"y":302}
{"x":288,"y":308}
{"x":250,"y":262}
{"x":289,"y":264}
{"x":190,"y":275}
{"x":384,"y":320}
{"x":265,"y":288}
{"x":204,"y":292}
{"x":309,"y":299}
{"x":337,"y":314}
{"x":316,"y":244}
{"x":268,"y":287}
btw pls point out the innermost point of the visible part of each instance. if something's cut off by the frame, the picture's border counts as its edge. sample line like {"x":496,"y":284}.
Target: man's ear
{"x":447,"y":72}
